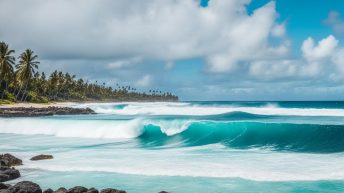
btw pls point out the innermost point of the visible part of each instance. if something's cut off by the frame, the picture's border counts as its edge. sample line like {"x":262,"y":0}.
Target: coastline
{"x":37,"y":105}
{"x":35,"y":110}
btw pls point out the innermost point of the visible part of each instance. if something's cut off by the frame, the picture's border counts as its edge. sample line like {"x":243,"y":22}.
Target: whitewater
{"x":186,"y":147}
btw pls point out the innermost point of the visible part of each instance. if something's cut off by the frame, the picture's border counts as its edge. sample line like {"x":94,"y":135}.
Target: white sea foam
{"x":115,"y":129}
{"x":170,"y":127}
{"x":253,"y":165}
{"x":72,"y":128}
{"x":201,"y":110}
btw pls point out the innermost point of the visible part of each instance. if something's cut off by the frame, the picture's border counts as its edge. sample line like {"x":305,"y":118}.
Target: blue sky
{"x":222,"y":50}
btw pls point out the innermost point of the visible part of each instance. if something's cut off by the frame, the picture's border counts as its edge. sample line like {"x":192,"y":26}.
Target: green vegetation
{"x":23,"y":82}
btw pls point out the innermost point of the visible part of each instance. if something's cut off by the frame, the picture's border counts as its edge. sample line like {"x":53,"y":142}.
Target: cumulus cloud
{"x":224,"y":33}
{"x":318,"y":58}
{"x":323,"y":50}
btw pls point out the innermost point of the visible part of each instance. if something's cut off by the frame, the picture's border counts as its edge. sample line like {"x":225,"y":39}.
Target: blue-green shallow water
{"x":140,"y":183}
{"x":186,"y":147}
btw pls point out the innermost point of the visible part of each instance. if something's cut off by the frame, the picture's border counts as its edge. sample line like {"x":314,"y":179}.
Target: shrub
{"x":33,"y":97}
{"x":77,"y":96}
{"x":9,"y":96}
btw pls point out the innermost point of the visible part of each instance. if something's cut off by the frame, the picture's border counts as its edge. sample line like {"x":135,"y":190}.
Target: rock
{"x":92,"y":190}
{"x":48,"y":191}
{"x":110,"y":190}
{"x":3,"y":186}
{"x":77,"y":189}
{"x":61,"y":190}
{"x":9,"y":160}
{"x":47,"y":111}
{"x":25,"y":187}
{"x":7,"y":173}
{"x":163,"y":192}
{"x":41,"y":157}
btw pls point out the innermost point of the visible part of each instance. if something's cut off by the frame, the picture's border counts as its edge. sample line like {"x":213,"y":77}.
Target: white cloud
{"x":247,"y":41}
{"x":145,"y":81}
{"x":224,"y":33}
{"x":119,"y":64}
{"x":274,"y":69}
{"x":321,"y":58}
{"x":338,"y":59}
{"x":278,"y":30}
{"x":322,"y":50}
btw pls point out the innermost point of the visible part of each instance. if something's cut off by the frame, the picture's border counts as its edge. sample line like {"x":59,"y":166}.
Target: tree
{"x":25,"y":69}
{"x":7,"y":62}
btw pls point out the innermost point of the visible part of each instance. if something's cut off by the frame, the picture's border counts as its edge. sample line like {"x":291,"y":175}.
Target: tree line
{"x":21,"y":81}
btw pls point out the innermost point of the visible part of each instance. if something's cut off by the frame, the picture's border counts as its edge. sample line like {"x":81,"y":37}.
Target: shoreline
{"x":37,"y":105}
{"x":36,"y":111}
{"x":71,"y":103}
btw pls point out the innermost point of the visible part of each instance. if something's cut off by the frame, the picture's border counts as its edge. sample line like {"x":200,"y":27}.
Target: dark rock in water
{"x":9,"y":160}
{"x":41,"y":157}
{"x":25,"y":187}
{"x":92,"y":190}
{"x":7,"y":173}
{"x":110,"y":190}
{"x":48,"y":191}
{"x":61,"y":190}
{"x":163,"y":192}
{"x":77,"y":189}
{"x":48,"y":111}
{"x":3,"y":186}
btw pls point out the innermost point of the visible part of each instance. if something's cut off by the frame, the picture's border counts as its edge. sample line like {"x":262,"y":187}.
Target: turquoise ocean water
{"x":185,"y":147}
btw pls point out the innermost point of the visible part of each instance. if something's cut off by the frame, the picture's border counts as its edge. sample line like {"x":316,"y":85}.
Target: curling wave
{"x":277,"y":136}
{"x":184,"y":133}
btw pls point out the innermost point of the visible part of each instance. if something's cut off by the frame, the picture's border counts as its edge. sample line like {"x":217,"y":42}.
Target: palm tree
{"x":26,"y":68}
{"x":6,"y":64}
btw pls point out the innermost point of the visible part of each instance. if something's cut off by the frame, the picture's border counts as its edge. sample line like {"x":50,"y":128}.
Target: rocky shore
{"x":31,"y":187}
{"x":8,"y":172}
{"x":45,"y":111}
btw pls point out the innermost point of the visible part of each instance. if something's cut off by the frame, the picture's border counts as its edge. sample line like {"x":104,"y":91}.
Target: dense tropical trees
{"x":25,"y":83}
{"x":7,"y":62}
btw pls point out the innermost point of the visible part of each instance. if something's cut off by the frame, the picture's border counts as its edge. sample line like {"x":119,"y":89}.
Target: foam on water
{"x":198,"y":162}
{"x":72,"y":128}
{"x":201,"y":110}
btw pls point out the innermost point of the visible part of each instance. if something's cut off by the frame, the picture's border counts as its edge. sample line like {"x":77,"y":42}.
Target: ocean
{"x":185,"y":147}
